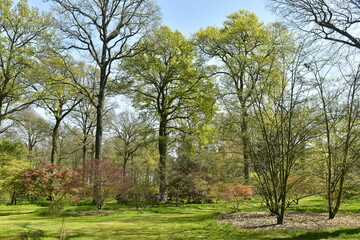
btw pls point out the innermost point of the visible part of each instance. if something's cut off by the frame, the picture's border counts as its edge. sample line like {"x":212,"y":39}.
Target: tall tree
{"x":107,"y":30}
{"x":23,"y":36}
{"x":167,"y":82}
{"x":334,"y":20}
{"x":247,"y":53}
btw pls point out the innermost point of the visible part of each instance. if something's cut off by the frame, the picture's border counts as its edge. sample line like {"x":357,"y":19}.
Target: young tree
{"x":23,"y":36}
{"x":110,"y":177}
{"x":340,"y":112}
{"x":167,"y":82}
{"x":284,"y":122}
{"x":10,"y":178}
{"x":12,"y":164}
{"x":50,"y":181}
{"x":247,"y":52}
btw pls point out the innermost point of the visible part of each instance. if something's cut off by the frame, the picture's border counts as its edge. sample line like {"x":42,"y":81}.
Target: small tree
{"x":188,"y":181}
{"x":12,"y":164}
{"x":142,"y":193}
{"x":232,"y":193}
{"x":110,"y":177}
{"x":49,"y":180}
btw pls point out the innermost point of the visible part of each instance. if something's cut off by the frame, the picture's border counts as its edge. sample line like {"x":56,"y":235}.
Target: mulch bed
{"x":261,"y":221}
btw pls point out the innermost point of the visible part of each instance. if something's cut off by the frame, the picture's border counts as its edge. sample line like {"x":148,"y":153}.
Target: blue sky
{"x":188,"y":16}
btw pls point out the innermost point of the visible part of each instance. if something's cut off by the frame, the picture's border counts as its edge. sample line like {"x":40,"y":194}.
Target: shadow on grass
{"x":325,"y":235}
{"x":14,"y":213}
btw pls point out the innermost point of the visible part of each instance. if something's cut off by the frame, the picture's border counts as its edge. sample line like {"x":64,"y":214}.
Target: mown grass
{"x":157,"y":222}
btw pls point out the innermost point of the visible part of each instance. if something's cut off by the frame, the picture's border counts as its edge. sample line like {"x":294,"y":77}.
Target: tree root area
{"x":262,"y":221}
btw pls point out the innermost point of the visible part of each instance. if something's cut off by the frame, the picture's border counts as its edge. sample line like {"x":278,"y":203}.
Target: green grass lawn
{"x":161,"y":222}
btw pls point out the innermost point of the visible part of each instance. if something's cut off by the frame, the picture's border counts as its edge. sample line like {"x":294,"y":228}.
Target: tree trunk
{"x":13,"y":198}
{"x":99,"y":133}
{"x":162,"y":152}
{"x":99,"y":124}
{"x":245,"y":146}
{"x":55,"y":134}
{"x":280,"y":218}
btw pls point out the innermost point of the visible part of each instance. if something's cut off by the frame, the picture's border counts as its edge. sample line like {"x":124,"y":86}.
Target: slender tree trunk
{"x":124,"y":171}
{"x":245,"y":146}
{"x":84,"y":152}
{"x":30,"y":148}
{"x":163,"y":156}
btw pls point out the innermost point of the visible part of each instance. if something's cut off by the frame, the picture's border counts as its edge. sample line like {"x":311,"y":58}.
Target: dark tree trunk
{"x":13,"y":198}
{"x":163,"y":156}
{"x":99,"y":134}
{"x":55,"y":135}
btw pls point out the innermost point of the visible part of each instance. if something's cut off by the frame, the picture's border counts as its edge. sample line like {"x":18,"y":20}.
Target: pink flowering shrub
{"x":49,"y":180}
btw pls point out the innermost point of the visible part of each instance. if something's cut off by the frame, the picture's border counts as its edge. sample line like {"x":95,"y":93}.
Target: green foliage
{"x":10,"y":150}
{"x":12,"y":163}
{"x":26,"y":37}
{"x":167,"y":82}
{"x":10,"y":178}
{"x":142,"y":194}
{"x":188,"y":181}
{"x":165,"y":78}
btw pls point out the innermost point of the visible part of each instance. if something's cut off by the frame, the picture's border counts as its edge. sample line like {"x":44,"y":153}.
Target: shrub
{"x":50,"y":181}
{"x":142,"y":194}
{"x":101,"y":180}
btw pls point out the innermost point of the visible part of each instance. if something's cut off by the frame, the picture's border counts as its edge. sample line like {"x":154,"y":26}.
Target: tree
{"x":50,"y":181}
{"x":110,"y":177}
{"x":339,"y":108}
{"x":10,"y":150}
{"x":247,"y":52}
{"x":10,"y":178}
{"x":107,"y":30}
{"x":131,"y":135}
{"x":332,"y":20}
{"x":12,"y":164}
{"x":84,"y":117}
{"x":167,"y":82}
{"x":57,"y":95}
{"x":23,"y":36}
{"x":188,"y":180}
{"x":33,"y":129}
{"x":284,"y":123}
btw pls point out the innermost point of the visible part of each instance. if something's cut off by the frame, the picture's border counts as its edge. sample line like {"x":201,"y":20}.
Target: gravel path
{"x":261,"y":221}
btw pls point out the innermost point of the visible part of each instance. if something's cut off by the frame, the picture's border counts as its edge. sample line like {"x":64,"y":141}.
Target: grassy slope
{"x":189,"y":222}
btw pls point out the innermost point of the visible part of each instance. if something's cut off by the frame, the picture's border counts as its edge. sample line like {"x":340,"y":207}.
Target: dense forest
{"x":99,"y":100}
